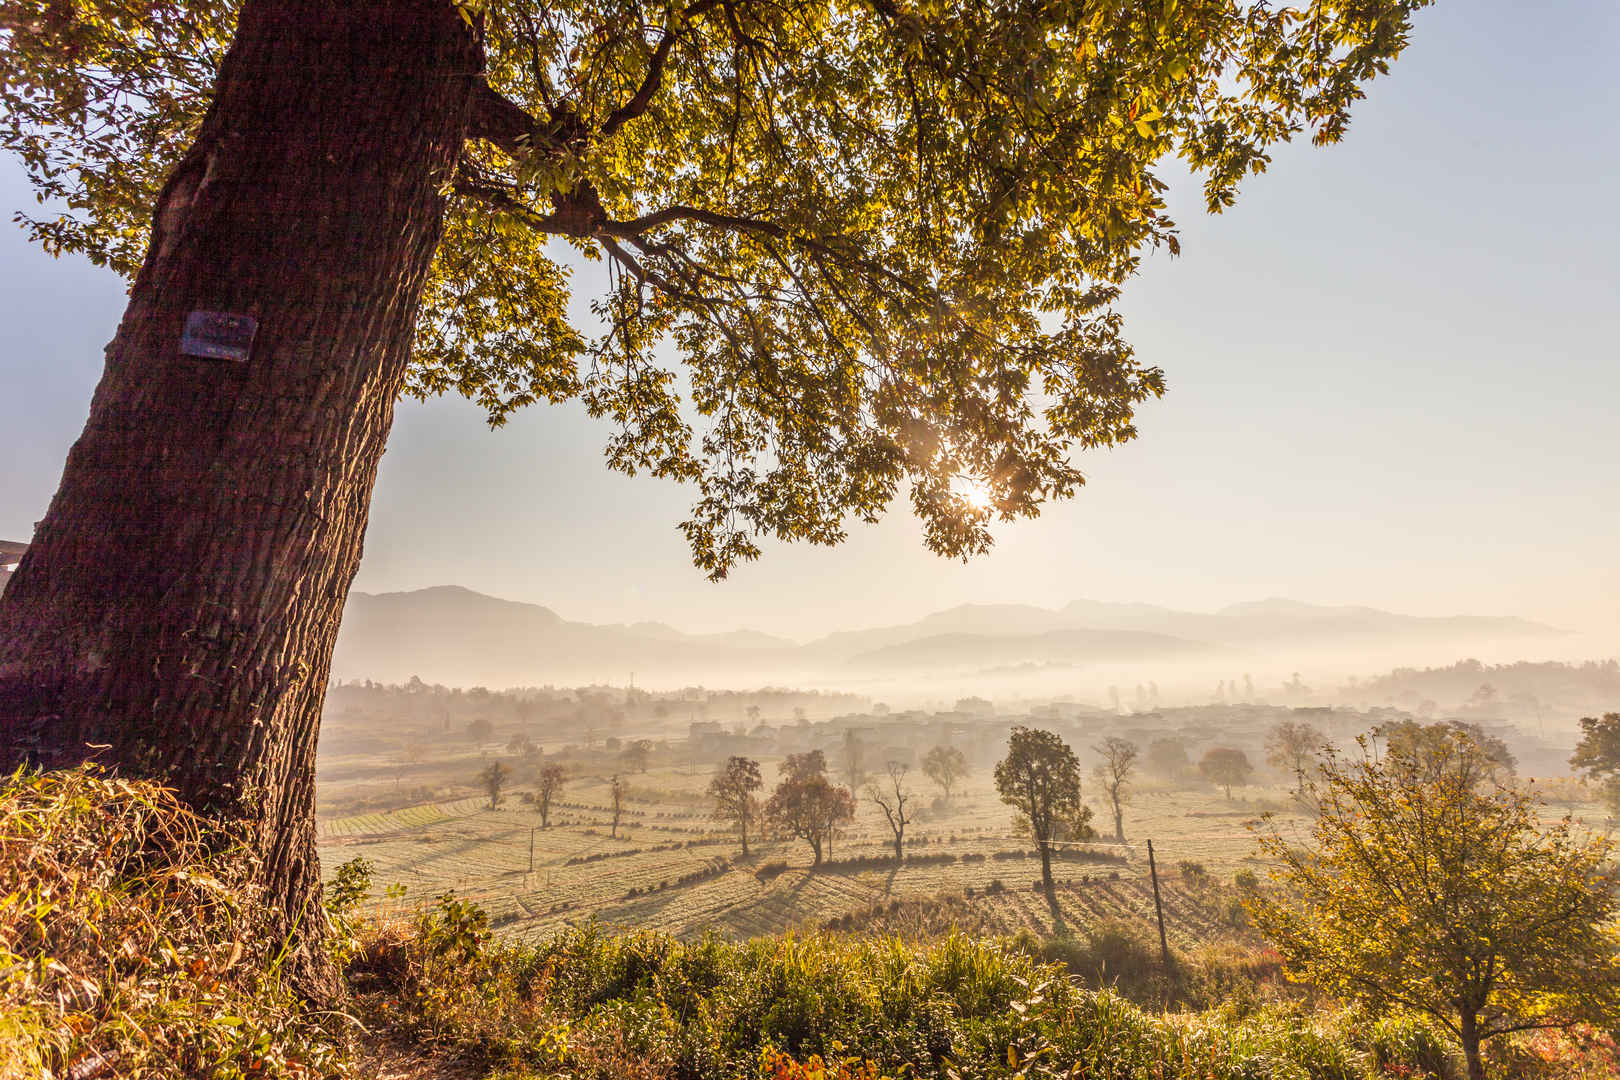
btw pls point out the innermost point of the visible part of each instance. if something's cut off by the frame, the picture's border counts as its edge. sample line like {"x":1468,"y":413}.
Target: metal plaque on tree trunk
{"x":218,"y":335}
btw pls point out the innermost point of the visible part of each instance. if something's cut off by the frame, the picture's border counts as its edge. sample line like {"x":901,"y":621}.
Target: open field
{"x":671,"y":868}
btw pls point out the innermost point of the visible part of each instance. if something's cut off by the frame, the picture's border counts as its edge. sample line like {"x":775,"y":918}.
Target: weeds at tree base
{"x":129,"y":946}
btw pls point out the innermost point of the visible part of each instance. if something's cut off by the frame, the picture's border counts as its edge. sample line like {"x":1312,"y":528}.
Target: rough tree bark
{"x":175,"y":615}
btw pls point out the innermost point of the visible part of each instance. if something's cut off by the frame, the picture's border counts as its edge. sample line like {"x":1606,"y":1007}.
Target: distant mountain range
{"x":455,"y":636}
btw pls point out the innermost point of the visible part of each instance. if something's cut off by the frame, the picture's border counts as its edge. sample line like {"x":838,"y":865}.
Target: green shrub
{"x":1412,"y":1046}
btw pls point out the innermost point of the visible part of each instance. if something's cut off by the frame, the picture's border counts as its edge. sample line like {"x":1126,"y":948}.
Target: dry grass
{"x":128,"y":943}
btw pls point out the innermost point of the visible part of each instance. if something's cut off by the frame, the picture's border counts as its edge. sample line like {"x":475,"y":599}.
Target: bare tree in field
{"x":891,"y":798}
{"x":1293,"y":746}
{"x":1114,"y":776}
{"x":733,"y":790}
{"x":945,"y":765}
{"x":549,"y":785}
{"x":494,"y":779}
{"x":616,"y":793}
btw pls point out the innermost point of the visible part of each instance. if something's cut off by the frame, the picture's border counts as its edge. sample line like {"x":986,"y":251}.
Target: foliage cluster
{"x":957,"y":1008}
{"x":1598,"y":755}
{"x":1432,"y":886}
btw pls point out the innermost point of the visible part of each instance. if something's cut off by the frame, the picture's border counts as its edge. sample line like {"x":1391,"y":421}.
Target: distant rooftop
{"x":10,"y":552}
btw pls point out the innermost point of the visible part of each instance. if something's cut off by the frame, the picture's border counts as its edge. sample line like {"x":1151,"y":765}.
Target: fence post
{"x":1158,"y":906}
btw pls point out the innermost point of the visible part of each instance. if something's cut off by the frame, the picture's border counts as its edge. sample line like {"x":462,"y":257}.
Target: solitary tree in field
{"x":636,"y":754}
{"x":1426,"y":890}
{"x":733,"y":790}
{"x":1226,"y":767}
{"x":854,"y":759}
{"x":1113,"y":775}
{"x":616,"y":796}
{"x":480,"y":730}
{"x":1598,"y":755}
{"x":548,"y":786}
{"x":810,"y":807}
{"x":945,"y":765}
{"x":1168,"y":758}
{"x":1292,"y":746}
{"x":1040,"y":779}
{"x":884,"y":239}
{"x":494,"y":779}
{"x":891,"y":797}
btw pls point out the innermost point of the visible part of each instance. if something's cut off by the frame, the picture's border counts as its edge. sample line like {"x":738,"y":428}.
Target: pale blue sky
{"x":1392,"y":373}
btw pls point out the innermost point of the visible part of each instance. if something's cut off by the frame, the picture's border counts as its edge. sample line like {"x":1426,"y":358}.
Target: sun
{"x":973,"y":491}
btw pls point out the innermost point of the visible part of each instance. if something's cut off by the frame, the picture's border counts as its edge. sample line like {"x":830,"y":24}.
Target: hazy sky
{"x":1393,"y":381}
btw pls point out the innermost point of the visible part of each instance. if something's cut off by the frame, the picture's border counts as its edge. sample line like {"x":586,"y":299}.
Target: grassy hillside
{"x":128,"y":949}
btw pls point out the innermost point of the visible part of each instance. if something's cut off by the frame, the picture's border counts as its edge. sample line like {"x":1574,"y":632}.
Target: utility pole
{"x":1158,"y":906}
{"x":531,"y":849}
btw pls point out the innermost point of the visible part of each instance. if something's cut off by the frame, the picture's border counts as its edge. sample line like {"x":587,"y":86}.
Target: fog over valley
{"x":458,"y":637}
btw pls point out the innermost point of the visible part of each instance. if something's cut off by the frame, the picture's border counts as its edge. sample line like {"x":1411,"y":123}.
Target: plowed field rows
{"x":484,"y":854}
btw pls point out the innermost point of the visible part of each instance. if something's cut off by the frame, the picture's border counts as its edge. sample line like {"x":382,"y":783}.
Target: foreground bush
{"x":590,"y":1003}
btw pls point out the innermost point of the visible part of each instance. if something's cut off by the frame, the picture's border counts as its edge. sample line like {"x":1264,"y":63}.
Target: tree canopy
{"x":1226,"y":767}
{"x":1427,"y":890}
{"x":884,"y":238}
{"x":1598,"y":755}
{"x":809,"y":806}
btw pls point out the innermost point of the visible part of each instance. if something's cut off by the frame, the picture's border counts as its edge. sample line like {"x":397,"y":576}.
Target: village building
{"x":11,"y":552}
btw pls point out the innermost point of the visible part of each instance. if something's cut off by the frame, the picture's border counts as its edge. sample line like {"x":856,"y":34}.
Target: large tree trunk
{"x":176,"y":613}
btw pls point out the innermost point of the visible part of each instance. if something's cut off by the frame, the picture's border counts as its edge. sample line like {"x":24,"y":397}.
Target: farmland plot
{"x":674,"y":869}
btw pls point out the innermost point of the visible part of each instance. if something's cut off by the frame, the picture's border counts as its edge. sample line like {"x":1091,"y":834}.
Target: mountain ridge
{"x":489,"y":640}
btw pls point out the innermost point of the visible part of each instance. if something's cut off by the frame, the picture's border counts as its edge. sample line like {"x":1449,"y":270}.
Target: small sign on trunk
{"x":218,"y":335}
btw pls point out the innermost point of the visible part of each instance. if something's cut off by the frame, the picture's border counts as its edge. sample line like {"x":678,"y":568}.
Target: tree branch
{"x":500,"y":120}
{"x":643,"y":96}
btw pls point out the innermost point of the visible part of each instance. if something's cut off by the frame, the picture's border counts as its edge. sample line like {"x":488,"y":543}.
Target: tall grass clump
{"x":130,"y":946}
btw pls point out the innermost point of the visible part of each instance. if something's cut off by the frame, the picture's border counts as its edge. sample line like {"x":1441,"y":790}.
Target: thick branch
{"x":643,"y":96}
{"x":500,"y":120}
